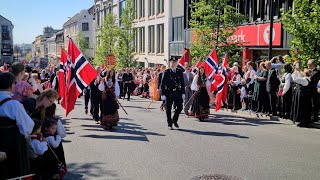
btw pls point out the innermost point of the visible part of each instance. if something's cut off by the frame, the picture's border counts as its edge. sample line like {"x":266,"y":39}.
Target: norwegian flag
{"x":211,"y":64}
{"x":80,"y":75}
{"x":221,"y":83}
{"x":183,"y":60}
{"x":196,"y":68}
{"x":62,"y":76}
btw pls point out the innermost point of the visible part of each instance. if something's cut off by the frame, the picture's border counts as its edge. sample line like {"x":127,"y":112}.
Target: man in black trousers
{"x":272,"y":88}
{"x":96,"y":96}
{"x":315,"y":76}
{"x":172,"y":88}
{"x":127,"y":80}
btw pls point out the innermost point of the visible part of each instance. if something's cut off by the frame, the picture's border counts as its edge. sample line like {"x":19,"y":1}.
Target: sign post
{"x":110,"y":61}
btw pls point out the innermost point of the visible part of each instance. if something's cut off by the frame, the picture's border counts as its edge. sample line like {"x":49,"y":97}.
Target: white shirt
{"x":194,"y":86}
{"x":252,"y":73}
{"x":33,"y":83}
{"x":102,"y":87}
{"x":297,"y":78}
{"x":35,"y":147}
{"x":14,"y":110}
{"x":54,"y":141}
{"x":61,"y":131}
{"x":287,"y":84}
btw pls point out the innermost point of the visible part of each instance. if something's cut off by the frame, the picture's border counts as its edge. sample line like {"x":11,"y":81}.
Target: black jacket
{"x":172,"y":82}
{"x":273,"y":81}
{"x":127,"y":77}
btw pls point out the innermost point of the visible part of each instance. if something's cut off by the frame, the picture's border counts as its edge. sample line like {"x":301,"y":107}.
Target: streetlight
{"x":271,"y":29}
{"x":145,"y":58}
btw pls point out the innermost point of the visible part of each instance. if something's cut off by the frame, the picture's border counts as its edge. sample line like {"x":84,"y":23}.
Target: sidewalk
{"x":315,"y":125}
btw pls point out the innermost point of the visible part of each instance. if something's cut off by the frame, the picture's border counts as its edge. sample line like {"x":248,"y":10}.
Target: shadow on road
{"x":208,"y":133}
{"x":93,"y":170}
{"x":137,"y":131}
{"x":238,"y":120}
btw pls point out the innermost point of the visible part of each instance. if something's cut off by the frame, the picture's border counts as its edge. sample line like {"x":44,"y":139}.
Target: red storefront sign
{"x":257,"y":35}
{"x":110,"y":60}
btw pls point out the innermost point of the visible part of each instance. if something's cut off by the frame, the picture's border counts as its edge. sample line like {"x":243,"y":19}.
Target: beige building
{"x":81,"y":22}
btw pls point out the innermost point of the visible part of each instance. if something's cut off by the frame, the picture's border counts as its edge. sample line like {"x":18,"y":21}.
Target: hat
{"x":173,"y":59}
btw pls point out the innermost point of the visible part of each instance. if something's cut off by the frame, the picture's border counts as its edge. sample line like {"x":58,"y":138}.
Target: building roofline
{"x":7,"y":20}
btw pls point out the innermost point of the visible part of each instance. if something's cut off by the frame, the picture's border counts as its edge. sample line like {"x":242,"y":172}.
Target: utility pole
{"x":271,"y":28}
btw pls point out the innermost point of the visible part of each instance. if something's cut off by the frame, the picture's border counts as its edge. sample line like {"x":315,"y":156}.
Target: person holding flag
{"x":200,"y":107}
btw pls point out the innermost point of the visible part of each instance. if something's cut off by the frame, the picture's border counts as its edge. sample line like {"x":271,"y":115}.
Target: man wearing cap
{"x":173,"y":91}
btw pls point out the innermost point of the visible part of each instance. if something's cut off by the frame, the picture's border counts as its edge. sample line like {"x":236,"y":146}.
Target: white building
{"x":158,"y":27}
{"x":82,"y":21}
{"x":152,"y":31}
{"x":6,"y":40}
{"x":102,"y":8}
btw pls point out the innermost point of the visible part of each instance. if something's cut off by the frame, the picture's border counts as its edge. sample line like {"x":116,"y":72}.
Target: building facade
{"x":152,"y":31}
{"x":254,"y":34}
{"x":40,"y":46}
{"x":6,"y":41}
{"x":81,"y":22}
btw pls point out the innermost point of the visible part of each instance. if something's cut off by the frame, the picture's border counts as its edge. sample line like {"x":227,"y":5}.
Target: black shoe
{"x":170,"y":127}
{"x":176,"y":125}
{"x":128,"y":99}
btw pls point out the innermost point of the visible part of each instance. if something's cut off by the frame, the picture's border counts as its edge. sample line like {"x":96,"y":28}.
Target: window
{"x":104,"y":12}
{"x":5,"y":33}
{"x":141,"y":40}
{"x":178,"y":31}
{"x":151,"y":8}
{"x":141,"y":10}
{"x":135,"y":39}
{"x":160,"y":6}
{"x":85,"y":26}
{"x":122,"y":6}
{"x":135,"y":8}
{"x":160,"y":38}
{"x":151,"y":39}
{"x":98,"y":17}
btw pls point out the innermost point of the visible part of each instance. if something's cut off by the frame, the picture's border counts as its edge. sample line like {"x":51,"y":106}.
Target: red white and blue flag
{"x":196,"y":68}
{"x":80,"y":75}
{"x":211,"y":64}
{"x":64,"y":61}
{"x":182,"y":61}
{"x":221,"y":83}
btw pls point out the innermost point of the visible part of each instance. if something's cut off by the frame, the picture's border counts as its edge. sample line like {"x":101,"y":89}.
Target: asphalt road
{"x":233,"y":144}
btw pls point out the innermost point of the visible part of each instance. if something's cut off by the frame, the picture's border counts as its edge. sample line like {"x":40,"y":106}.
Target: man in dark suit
{"x":188,"y":78}
{"x":127,"y":80}
{"x":173,"y":91}
{"x":272,"y":88}
{"x":315,"y":76}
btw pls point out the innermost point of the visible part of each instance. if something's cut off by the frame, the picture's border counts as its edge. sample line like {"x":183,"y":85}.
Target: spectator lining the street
{"x":16,"y":126}
{"x":18,"y":70}
{"x":37,"y":146}
{"x":302,"y":107}
{"x":23,"y":90}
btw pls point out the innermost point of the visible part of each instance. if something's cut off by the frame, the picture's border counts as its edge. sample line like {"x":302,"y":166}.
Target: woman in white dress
{"x":109,"y":104}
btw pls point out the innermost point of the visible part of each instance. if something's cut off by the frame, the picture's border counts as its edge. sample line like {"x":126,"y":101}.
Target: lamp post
{"x":271,"y":29}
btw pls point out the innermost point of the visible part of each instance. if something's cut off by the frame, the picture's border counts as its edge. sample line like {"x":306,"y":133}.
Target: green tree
{"x":107,"y":39}
{"x":125,"y":48}
{"x":213,"y":22}
{"x":83,"y":43}
{"x":29,"y":56}
{"x":304,"y":24}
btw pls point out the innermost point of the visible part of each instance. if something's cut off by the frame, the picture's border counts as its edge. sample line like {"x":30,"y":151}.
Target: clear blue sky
{"x":29,"y":17}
